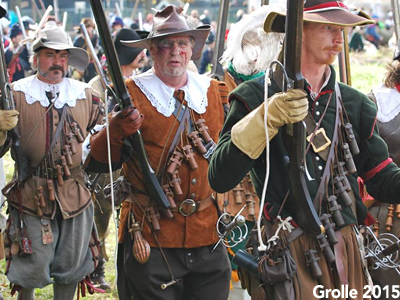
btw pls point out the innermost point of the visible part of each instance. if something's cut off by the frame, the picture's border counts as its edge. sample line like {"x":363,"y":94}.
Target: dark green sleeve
{"x":229,"y":165}
{"x":382,"y":177}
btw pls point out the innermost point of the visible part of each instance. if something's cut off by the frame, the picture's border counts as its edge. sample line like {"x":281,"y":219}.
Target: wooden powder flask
{"x":67,"y":154}
{"x":329,"y":228}
{"x":343,"y":173}
{"x":350,"y":165}
{"x":141,"y":248}
{"x":71,"y":142}
{"x":189,"y":156}
{"x":174,"y":162}
{"x":389,"y":220}
{"x":197,"y":142}
{"x":334,"y":209}
{"x":77,"y":132}
{"x":250,"y":204}
{"x":326,"y":248}
{"x":67,"y":173}
{"x":41,"y":196}
{"x":38,"y":209}
{"x":203,"y":130}
{"x":312,"y":261}
{"x":397,"y":210}
{"x":50,"y":189}
{"x":237,"y":193}
{"x":375,"y":227}
{"x":351,"y":139}
{"x":59,"y":175}
{"x":175,"y":182}
{"x":153,"y":215}
{"x":169,"y":195}
{"x":341,"y":190}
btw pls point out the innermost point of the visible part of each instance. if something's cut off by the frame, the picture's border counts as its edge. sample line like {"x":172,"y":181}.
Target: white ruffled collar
{"x":68,"y":91}
{"x":162,"y":98}
{"x":388,"y":102}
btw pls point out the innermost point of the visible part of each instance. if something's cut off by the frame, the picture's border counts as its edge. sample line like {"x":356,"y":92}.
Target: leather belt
{"x":186,"y":208}
{"x":189,"y":206}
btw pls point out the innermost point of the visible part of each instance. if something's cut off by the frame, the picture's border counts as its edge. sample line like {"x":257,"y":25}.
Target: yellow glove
{"x":283,"y":108}
{"x":8,"y":120}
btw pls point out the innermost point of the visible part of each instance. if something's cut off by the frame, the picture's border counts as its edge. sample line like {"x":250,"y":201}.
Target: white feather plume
{"x":249,"y":47}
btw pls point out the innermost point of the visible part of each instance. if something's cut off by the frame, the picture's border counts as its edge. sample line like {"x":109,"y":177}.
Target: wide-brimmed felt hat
{"x":88,"y":22}
{"x":56,"y":38}
{"x":3,"y":12}
{"x":170,"y":22}
{"x":323,"y":12}
{"x":126,"y":55}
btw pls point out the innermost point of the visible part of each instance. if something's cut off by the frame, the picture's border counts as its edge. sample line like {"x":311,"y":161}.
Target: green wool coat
{"x":229,"y":165}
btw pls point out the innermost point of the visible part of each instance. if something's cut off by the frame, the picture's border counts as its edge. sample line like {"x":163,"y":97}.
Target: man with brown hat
{"x":90,"y":71}
{"x":50,"y":234}
{"x":166,"y":254}
{"x":336,"y":116}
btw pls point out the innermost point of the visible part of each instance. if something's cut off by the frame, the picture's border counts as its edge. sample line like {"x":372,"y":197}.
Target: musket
{"x":118,"y":9}
{"x":134,"y":9}
{"x":64,"y":21}
{"x":153,"y":187}
{"x":7,"y":103}
{"x":217,"y":70}
{"x":21,"y":24}
{"x":396,"y":18}
{"x":300,"y":202}
{"x":55,"y":4}
{"x":344,"y":60}
{"x":92,"y":53}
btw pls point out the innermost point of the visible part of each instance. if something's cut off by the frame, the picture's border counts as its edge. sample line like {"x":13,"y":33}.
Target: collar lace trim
{"x":162,"y":98}
{"x":67,"y":91}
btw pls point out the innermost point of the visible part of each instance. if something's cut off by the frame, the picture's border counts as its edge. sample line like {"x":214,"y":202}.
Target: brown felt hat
{"x":170,"y":22}
{"x":323,"y":12}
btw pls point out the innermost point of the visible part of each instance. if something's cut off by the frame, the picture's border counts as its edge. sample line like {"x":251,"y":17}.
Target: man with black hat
{"x":335,"y":114}
{"x":166,"y":254}
{"x":50,"y":234}
{"x":17,"y":55}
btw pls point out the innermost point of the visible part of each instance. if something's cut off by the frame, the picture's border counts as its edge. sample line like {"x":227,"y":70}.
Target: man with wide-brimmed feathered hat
{"x":342,"y":143}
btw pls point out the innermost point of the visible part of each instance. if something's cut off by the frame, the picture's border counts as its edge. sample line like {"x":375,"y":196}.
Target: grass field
{"x":367,"y":72}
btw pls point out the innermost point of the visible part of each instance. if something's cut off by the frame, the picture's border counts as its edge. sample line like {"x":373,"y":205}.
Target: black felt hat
{"x":126,"y":55}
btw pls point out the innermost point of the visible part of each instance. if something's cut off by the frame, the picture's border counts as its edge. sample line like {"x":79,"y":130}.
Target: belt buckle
{"x":320,"y":133}
{"x":187,"y":207}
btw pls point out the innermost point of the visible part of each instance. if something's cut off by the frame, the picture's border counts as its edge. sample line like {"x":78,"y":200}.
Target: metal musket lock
{"x":187,"y":207}
{"x":189,"y":156}
{"x":174,"y":162}
{"x":335,"y":209}
{"x":351,"y":139}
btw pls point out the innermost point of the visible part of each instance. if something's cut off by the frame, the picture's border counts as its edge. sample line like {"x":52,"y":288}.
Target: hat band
{"x":326,"y":6}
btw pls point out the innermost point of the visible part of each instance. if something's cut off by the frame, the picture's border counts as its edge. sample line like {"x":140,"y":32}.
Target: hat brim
{"x":275,"y":21}
{"x":77,"y":58}
{"x":199,"y":35}
{"x":3,"y":12}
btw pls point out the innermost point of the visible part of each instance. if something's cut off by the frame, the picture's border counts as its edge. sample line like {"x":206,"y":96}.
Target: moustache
{"x":56,"y":68}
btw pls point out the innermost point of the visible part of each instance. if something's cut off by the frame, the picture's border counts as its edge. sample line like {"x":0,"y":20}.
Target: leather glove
{"x":8,"y":120}
{"x":283,"y":108}
{"x":122,"y":124}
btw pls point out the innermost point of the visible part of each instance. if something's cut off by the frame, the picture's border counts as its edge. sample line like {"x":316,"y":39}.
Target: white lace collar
{"x":162,"y":98}
{"x":68,"y":91}
{"x":388,"y":102}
